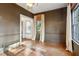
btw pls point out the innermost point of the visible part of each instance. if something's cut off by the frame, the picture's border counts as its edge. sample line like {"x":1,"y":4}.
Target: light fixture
{"x":30,"y":4}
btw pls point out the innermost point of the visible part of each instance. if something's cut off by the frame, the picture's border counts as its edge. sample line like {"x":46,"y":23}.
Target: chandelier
{"x":30,"y":3}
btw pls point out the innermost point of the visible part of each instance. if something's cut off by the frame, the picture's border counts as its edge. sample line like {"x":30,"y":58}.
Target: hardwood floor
{"x":31,"y":48}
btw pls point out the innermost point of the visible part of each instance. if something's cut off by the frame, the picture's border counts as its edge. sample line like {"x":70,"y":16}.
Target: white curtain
{"x":68,"y":30}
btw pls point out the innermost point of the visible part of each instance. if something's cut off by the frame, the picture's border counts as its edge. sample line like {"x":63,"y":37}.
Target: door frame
{"x":21,"y":15}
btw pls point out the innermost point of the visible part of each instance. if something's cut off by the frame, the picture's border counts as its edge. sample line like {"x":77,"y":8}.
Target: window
{"x":38,"y":25}
{"x":28,"y":27}
{"x":75,"y":24}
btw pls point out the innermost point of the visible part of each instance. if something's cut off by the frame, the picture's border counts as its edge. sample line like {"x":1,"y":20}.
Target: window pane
{"x":76,"y":13}
{"x":76,"y":20}
{"x":75,"y":30}
{"x":78,"y":32}
{"x":28,"y":27}
{"x":38,"y":25}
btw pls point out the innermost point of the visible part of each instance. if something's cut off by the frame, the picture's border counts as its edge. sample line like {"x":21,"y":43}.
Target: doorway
{"x":40,"y":27}
{"x":25,"y":27}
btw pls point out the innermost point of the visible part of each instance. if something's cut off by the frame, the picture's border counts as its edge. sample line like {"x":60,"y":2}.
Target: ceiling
{"x":42,"y":7}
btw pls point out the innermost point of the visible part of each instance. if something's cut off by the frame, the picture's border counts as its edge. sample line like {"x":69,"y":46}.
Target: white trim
{"x":34,"y":28}
{"x":20,"y":29}
{"x":42,"y":32}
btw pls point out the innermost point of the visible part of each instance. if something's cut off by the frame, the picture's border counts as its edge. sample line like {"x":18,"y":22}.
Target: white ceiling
{"x":42,"y":7}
